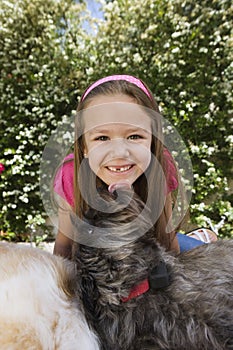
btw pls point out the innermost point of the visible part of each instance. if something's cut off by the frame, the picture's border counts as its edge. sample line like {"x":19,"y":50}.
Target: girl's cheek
{"x":147,"y":159}
{"x":143,"y":153}
{"x":94,"y":158}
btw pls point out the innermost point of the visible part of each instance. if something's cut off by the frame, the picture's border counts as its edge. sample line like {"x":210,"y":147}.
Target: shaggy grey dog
{"x":180,"y":303}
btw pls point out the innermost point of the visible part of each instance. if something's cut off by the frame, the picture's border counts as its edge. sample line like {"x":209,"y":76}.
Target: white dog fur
{"x":37,"y":309}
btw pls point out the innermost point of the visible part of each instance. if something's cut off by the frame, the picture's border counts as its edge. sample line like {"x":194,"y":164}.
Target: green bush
{"x":182,"y":49}
{"x":37,"y":42}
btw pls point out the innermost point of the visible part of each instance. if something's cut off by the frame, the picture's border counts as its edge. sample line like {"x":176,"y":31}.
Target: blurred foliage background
{"x":51,"y":50}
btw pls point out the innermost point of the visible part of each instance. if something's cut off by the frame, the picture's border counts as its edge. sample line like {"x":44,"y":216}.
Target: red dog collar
{"x":159,"y":278}
{"x":141,"y":288}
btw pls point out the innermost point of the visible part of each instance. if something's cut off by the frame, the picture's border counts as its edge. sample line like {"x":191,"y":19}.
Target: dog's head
{"x":116,"y":219}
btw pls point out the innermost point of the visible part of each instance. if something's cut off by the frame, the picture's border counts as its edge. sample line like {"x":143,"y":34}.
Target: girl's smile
{"x":116,"y":146}
{"x":120,"y":169}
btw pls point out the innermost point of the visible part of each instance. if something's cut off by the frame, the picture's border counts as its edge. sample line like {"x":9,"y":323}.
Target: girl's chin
{"x":120,"y":179}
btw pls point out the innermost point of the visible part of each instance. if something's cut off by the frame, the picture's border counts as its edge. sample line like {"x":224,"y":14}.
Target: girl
{"x":119,"y":138}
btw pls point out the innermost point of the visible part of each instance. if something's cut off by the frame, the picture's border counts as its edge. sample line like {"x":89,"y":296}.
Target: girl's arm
{"x":64,"y":241}
{"x":63,"y":245}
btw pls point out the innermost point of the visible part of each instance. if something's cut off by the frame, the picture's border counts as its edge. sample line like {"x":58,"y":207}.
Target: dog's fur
{"x":37,"y":306}
{"x":195,"y":312}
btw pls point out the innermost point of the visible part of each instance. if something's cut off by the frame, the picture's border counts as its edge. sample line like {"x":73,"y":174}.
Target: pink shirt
{"x":64,"y":179}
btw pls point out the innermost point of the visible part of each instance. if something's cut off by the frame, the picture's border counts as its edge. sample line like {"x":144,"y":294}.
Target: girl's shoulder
{"x":64,"y":180}
{"x":70,"y":157}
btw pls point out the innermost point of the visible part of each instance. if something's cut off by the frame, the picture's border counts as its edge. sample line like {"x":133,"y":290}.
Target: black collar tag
{"x":159,"y":277}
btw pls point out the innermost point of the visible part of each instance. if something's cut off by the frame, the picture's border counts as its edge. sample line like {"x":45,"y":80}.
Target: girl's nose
{"x":120,"y":148}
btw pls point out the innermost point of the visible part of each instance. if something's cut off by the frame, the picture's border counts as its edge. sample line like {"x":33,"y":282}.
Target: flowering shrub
{"x":37,"y":40}
{"x":183,"y":51}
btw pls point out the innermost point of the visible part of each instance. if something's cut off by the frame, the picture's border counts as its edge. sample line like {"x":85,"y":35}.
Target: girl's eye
{"x":102,"y":138}
{"x":134,"y":137}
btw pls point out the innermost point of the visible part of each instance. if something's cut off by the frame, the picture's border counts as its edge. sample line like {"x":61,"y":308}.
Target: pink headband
{"x":128,"y":78}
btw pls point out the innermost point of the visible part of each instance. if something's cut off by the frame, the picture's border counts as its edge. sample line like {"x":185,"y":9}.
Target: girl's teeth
{"x":120,"y":169}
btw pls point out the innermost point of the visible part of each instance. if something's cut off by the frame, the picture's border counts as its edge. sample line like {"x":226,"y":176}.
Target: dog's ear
{"x":89,"y":292}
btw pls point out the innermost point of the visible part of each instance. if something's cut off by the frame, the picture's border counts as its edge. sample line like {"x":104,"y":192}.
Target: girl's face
{"x":117,"y":135}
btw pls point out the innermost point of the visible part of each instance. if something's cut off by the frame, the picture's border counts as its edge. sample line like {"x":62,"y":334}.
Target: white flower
{"x":137,"y":58}
{"x":203,"y":50}
{"x":90,"y":71}
{"x":176,"y":35}
{"x":176,"y":49}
